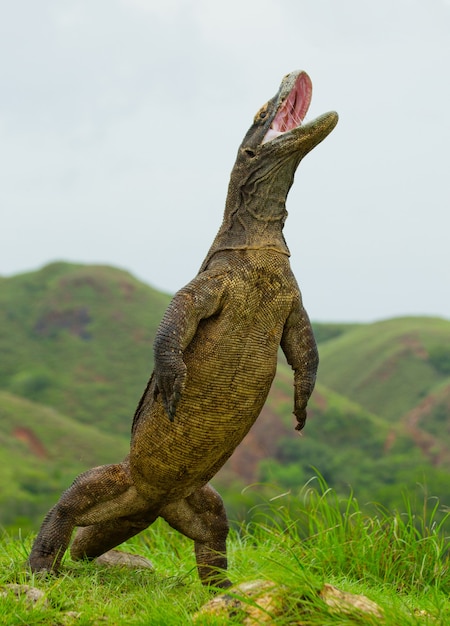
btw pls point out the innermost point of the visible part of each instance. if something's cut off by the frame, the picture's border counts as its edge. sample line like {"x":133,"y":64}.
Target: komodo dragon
{"x":215,"y":359}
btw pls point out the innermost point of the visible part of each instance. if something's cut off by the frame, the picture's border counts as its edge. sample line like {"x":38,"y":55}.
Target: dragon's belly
{"x":229,"y":374}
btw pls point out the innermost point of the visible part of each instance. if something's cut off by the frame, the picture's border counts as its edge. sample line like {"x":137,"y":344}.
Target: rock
{"x":266,"y":600}
{"x":32,"y":595}
{"x":345,"y":602}
{"x":115,"y":558}
{"x":262,"y":601}
{"x":74,"y":615}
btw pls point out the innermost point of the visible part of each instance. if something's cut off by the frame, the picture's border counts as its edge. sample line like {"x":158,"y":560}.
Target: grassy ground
{"x":400,"y":561}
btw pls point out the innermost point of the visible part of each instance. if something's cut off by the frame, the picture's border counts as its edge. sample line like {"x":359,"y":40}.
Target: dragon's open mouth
{"x":293,"y":109}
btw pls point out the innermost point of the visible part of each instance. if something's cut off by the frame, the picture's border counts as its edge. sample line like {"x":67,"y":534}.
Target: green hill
{"x":79,"y":339}
{"x":400,"y":369}
{"x":389,"y":366}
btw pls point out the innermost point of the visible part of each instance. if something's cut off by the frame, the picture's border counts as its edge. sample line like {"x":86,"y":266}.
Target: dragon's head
{"x":278,"y":126}
{"x":278,"y":139}
{"x":265,"y":166}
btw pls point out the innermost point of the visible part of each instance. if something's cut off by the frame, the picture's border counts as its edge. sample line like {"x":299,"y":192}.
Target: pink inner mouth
{"x":293,"y":109}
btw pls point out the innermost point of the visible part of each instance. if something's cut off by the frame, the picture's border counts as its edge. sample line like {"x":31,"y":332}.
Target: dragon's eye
{"x":262,"y":114}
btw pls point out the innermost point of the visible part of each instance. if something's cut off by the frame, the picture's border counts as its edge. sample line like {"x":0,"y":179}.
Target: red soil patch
{"x":432,"y":447}
{"x":34,"y":444}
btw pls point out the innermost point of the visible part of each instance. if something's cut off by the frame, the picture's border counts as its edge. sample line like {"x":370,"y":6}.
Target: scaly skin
{"x":215,"y":360}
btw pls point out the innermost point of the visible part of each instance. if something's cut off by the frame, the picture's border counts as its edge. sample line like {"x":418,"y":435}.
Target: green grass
{"x":398,"y":560}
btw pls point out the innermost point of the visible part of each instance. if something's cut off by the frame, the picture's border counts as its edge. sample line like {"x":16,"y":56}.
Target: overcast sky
{"x":120,"y":121}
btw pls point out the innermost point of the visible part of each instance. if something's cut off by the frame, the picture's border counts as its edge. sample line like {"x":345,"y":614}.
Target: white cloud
{"x":161,"y":8}
{"x":238,"y":24}
{"x":123,"y":117}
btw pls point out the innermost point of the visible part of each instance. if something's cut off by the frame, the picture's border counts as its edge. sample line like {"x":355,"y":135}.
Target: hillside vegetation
{"x":79,"y":339}
{"x":76,"y":345}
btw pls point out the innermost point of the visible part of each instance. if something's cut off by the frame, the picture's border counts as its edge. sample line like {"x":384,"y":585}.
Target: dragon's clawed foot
{"x":170,"y":383}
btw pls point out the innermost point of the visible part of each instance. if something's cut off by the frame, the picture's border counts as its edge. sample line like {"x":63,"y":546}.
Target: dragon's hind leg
{"x":99,"y":496}
{"x":202,"y":517}
{"x":92,"y":541}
